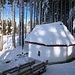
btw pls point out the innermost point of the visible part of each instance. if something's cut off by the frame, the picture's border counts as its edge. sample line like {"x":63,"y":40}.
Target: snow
{"x":51,"y":34}
{"x":12,"y":55}
{"x":69,"y":35}
{"x":61,"y":69}
{"x":73,"y":24}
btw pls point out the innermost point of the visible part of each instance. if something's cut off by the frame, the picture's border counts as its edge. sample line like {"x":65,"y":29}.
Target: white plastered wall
{"x":52,"y":54}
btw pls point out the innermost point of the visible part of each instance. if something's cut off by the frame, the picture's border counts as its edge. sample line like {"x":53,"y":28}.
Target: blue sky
{"x":8,"y":13}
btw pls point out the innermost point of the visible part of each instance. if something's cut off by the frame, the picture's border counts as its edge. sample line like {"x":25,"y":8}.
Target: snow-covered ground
{"x":61,"y":69}
{"x":8,"y":54}
{"x":11,"y":57}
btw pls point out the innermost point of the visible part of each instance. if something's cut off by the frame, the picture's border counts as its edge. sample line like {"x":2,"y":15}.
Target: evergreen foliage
{"x":9,"y":27}
{"x":7,"y":30}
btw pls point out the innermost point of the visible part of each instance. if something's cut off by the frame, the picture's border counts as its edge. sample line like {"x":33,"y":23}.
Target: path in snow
{"x":61,"y":69}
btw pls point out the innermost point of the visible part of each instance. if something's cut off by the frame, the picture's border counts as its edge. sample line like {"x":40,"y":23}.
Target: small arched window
{"x":38,"y":53}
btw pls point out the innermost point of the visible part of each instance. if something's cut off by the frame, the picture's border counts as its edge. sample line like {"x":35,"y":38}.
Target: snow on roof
{"x":51,"y":34}
{"x":69,"y":35}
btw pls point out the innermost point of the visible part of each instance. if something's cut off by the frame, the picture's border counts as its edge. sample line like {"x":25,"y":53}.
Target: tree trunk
{"x":30,"y":15}
{"x":19,"y":25}
{"x":22,"y":23}
{"x":13,"y":24}
{"x":40,"y":12}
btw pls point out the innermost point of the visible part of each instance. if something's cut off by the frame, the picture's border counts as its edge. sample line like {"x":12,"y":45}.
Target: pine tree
{"x":9,"y":27}
{"x":4,"y":27}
